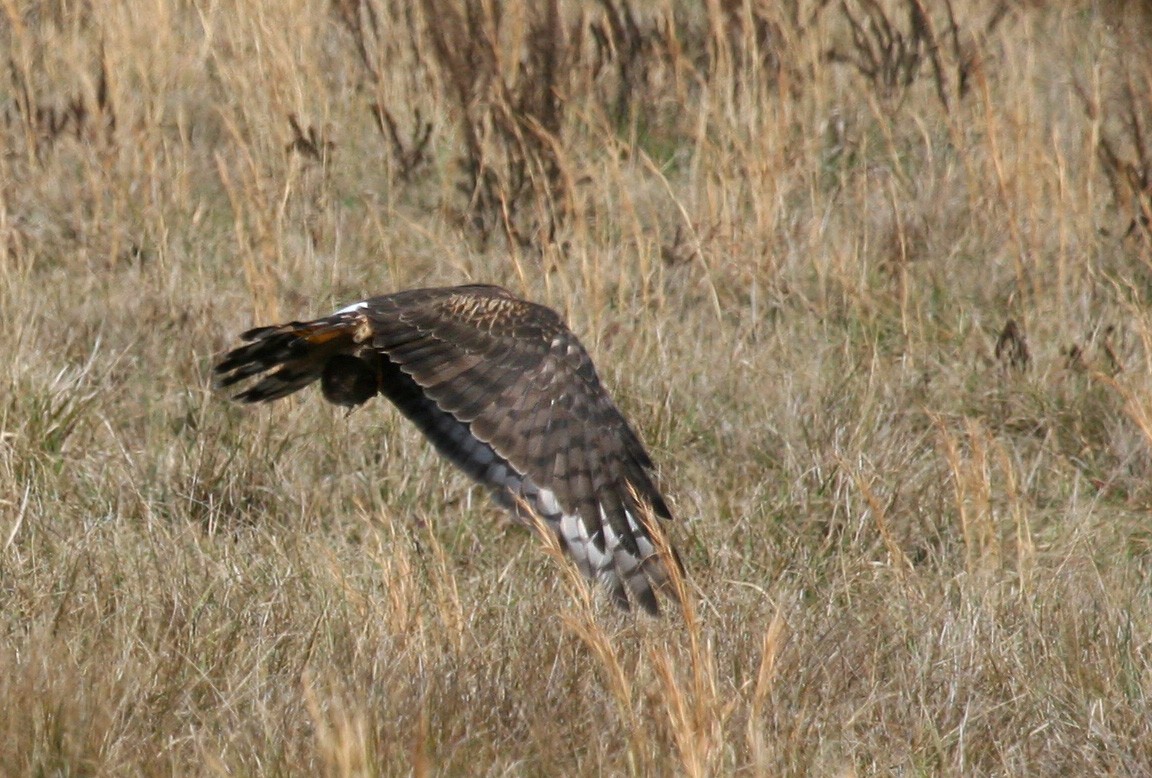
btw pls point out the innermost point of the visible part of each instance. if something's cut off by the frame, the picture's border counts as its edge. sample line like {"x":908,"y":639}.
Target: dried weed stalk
{"x":891,"y":54}
{"x":412,"y":154}
{"x":308,"y":142}
{"x":362,"y":21}
{"x":511,"y":111}
{"x":1122,"y":146}
{"x":44,"y":122}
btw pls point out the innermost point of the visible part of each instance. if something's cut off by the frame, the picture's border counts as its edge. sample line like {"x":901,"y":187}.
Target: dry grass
{"x":918,"y":537}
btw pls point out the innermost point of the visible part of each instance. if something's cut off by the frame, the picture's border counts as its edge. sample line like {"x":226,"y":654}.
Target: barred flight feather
{"x":505,"y":392}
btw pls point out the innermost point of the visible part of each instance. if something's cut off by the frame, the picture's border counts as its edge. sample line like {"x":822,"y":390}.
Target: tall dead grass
{"x":872,"y":278}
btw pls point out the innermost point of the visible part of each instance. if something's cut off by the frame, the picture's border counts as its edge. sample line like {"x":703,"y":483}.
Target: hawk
{"x":502,"y":389}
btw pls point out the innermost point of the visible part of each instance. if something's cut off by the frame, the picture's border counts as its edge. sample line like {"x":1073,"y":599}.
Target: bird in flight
{"x":502,"y":389}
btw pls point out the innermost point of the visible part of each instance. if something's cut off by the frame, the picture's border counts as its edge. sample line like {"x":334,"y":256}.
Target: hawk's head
{"x":349,"y":381}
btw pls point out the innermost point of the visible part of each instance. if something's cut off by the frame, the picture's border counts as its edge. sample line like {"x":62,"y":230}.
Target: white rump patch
{"x":352,"y":308}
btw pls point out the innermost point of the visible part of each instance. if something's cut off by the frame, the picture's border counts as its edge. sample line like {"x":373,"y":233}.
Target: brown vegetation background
{"x":872,"y":279}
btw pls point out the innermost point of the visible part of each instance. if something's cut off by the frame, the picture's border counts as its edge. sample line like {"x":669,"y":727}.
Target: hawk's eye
{"x":348,"y":381}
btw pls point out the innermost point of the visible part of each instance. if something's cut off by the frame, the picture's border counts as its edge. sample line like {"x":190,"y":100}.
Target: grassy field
{"x":873,"y":282}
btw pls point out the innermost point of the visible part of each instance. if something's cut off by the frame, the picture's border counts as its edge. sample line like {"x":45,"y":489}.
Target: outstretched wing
{"x":506,"y":392}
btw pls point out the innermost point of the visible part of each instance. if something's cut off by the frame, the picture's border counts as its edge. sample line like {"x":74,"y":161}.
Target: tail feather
{"x":282,"y":383}
{"x":290,"y":357}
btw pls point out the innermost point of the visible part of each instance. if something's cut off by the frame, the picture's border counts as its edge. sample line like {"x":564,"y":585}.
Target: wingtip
{"x":648,"y":602}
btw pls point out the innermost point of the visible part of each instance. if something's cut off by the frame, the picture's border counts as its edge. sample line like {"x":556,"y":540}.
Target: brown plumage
{"x":505,"y":391}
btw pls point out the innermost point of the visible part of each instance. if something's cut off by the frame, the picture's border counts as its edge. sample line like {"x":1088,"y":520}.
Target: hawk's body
{"x":504,"y":390}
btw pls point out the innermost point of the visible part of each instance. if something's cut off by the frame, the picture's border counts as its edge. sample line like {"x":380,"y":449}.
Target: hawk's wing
{"x":505,"y":391}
